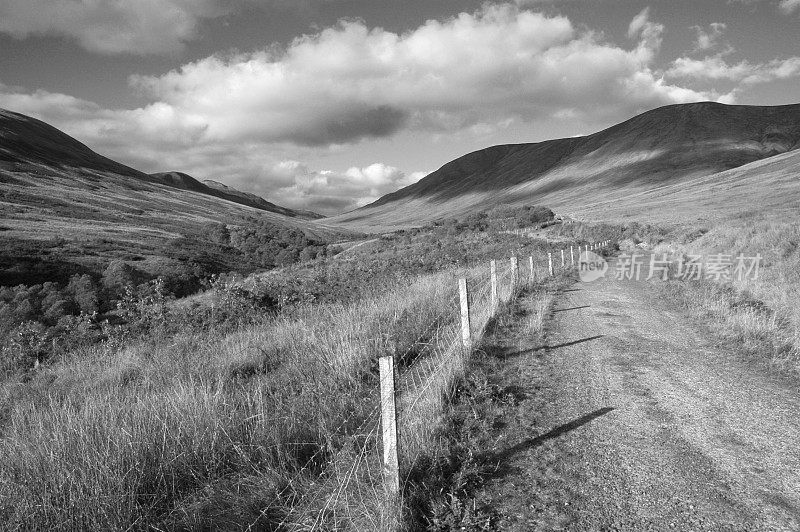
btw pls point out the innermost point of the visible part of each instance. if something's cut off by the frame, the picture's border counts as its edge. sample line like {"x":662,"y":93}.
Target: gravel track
{"x":635,"y":418}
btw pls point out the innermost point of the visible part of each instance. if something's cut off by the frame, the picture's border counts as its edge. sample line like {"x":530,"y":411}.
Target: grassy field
{"x":253,"y":419}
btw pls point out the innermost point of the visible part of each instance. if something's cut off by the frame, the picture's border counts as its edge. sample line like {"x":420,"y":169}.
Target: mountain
{"x":63,"y":205}
{"x":246,"y":198}
{"x":214,"y":188}
{"x":25,"y":140}
{"x":671,"y":145}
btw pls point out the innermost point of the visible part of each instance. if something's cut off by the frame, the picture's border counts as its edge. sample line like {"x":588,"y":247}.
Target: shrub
{"x":84,"y":293}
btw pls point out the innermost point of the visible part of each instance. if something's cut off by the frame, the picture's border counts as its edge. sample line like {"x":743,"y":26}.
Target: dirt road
{"x":633,"y":419}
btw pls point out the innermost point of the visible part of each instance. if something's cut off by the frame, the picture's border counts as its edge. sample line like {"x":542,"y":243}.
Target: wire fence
{"x":350,"y":492}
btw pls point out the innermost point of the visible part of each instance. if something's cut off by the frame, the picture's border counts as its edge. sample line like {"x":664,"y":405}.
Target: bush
{"x":84,"y":293}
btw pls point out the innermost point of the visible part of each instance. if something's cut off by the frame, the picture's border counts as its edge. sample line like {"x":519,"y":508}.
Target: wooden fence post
{"x":494,"y":287}
{"x":533,"y":272}
{"x":550,"y":263}
{"x":514,"y":276}
{"x":571,"y":257}
{"x":391,"y":471}
{"x":563,"y":262}
{"x":466,"y":335}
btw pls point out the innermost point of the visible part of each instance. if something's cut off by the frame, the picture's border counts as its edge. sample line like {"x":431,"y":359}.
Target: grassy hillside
{"x":599,"y":174}
{"x":65,"y":209}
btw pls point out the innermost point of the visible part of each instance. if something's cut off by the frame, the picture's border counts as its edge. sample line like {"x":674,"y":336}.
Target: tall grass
{"x":230,"y":432}
{"x":761,"y":313}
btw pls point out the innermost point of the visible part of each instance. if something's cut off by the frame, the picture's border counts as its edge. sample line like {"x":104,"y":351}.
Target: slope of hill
{"x":25,"y":140}
{"x":246,"y":198}
{"x":64,"y":205}
{"x":666,"y":146}
{"x":768,"y":188}
{"x":214,"y":188}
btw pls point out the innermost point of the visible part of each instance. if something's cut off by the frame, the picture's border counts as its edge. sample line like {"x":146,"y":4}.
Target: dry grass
{"x":761,"y":314}
{"x":195,"y":430}
{"x":272,"y":425}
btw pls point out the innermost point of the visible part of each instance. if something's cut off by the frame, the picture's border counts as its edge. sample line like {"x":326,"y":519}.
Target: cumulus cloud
{"x":350,"y":82}
{"x":715,"y":67}
{"x":789,"y":6}
{"x":785,"y":6}
{"x":112,"y":26}
{"x":330,"y":192}
{"x":711,"y":38}
{"x":638,"y":23}
{"x":236,"y":118}
{"x":744,"y":72}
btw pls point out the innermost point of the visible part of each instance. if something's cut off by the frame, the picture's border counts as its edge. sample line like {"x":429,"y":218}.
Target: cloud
{"x":330,"y":192}
{"x":648,"y":33}
{"x":785,"y":6}
{"x":237,"y":118}
{"x":642,"y":28}
{"x":709,"y":39}
{"x":789,"y":6}
{"x":744,"y":72}
{"x":350,"y":82}
{"x":137,"y":27}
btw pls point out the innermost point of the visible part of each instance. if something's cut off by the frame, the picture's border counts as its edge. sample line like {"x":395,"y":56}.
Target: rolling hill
{"x":610,"y":173}
{"x":63,"y":204}
{"x":27,"y":141}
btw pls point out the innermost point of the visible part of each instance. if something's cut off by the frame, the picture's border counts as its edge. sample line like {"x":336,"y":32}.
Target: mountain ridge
{"x":664,"y":145}
{"x":25,"y":140}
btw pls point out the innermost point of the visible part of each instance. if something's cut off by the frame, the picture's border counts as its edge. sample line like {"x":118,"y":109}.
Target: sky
{"x":329,"y":104}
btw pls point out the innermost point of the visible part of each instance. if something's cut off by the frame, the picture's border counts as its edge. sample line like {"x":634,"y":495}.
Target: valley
{"x":177,"y":354}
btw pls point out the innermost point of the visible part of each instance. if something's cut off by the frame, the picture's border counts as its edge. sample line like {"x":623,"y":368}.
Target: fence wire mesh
{"x":350,"y":493}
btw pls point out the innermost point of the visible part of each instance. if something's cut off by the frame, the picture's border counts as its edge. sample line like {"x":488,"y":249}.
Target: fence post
{"x":466,"y":335}
{"x":391,"y":473}
{"x":514,"y":276}
{"x":550,"y":263}
{"x":494,"y":287}
{"x":571,"y":257}
{"x":533,"y":273}
{"x":563,"y":262}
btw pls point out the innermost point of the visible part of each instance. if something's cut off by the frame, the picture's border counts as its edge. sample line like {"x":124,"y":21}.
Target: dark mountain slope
{"x":662,"y":146}
{"x":25,"y":141}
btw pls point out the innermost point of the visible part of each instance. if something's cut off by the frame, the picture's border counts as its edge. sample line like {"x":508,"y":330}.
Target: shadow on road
{"x":546,"y":348}
{"x":571,"y":308}
{"x":567,"y":344}
{"x":500,"y":458}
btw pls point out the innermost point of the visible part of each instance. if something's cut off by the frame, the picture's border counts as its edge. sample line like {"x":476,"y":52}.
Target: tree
{"x":84,"y":292}
{"x":219,"y":233}
{"x":119,"y":275}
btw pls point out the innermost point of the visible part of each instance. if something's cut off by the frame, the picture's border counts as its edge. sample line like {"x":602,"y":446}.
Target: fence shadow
{"x":571,"y":308}
{"x":500,"y":459}
{"x":547,"y":347}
